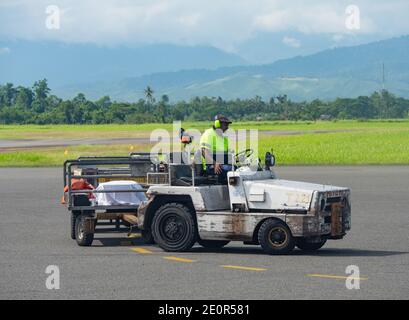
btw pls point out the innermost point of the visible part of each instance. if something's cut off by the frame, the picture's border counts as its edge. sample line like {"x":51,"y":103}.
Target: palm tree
{"x":165,"y":98}
{"x":149,"y":94}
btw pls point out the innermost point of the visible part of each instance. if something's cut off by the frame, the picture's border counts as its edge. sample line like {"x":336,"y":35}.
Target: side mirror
{"x":184,"y":137}
{"x":181,"y":132}
{"x":270,"y":160}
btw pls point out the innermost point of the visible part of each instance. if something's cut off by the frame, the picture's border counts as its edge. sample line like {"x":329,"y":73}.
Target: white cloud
{"x":314,"y":17}
{"x":291,"y":42}
{"x":190,"y":20}
{"x":221,"y":23}
{"x":5,"y":50}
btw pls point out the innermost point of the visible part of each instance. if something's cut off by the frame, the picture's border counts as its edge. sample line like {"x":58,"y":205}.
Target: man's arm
{"x":206,"y":144}
{"x":209,"y":160}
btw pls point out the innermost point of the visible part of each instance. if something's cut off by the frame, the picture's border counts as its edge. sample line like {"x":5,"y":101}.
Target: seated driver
{"x":212,"y":142}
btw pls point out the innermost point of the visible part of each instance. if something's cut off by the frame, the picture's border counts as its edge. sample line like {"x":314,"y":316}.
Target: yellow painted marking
{"x":245,"y":268}
{"x":328,"y":276}
{"x":134,"y":235}
{"x":179,"y":259}
{"x":141,"y":250}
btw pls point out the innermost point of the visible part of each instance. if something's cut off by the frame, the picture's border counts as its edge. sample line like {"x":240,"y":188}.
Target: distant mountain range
{"x":23,"y":62}
{"x":337,"y":72}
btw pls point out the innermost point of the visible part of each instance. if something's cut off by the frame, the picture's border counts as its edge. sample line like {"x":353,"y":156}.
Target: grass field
{"x":379,"y":147}
{"x":312,"y":143}
{"x":56,"y":156}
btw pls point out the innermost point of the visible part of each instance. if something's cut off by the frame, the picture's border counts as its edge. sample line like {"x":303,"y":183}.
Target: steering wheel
{"x":245,"y":153}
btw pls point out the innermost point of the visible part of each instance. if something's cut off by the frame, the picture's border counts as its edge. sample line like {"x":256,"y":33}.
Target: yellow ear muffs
{"x":217,"y":124}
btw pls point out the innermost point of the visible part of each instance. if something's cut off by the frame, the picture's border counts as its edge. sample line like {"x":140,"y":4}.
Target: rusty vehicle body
{"x":255,"y":207}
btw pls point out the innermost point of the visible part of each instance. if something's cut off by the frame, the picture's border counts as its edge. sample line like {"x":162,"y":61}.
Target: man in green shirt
{"x":214,"y":141}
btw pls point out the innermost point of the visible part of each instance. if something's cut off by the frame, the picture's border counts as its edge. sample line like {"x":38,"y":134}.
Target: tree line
{"x":36,"y":105}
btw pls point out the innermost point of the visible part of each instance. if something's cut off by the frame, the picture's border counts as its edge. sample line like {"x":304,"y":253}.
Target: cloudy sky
{"x":250,"y":28}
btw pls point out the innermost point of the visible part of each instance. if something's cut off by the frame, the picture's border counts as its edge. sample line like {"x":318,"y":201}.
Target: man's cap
{"x":222,"y":118}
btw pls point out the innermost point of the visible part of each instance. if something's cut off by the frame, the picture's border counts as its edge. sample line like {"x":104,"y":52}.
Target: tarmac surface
{"x":34,"y":233}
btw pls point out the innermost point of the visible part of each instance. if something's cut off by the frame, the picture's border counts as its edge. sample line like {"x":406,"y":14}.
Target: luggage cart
{"x":85,"y":214}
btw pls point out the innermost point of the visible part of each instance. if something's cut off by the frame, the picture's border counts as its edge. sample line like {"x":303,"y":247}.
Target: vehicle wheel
{"x":83,"y":238}
{"x":275,"y":237}
{"x":174,"y":227}
{"x":306,"y":244}
{"x":74,"y":216}
{"x":213,"y":244}
{"x":147,"y":237}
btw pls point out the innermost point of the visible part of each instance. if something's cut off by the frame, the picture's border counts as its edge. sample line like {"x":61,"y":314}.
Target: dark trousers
{"x":222,"y":177}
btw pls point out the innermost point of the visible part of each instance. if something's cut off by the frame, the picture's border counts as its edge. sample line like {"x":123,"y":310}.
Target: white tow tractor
{"x":253,"y":206}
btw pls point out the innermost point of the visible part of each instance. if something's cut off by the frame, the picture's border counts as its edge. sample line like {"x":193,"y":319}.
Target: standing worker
{"x":214,"y":145}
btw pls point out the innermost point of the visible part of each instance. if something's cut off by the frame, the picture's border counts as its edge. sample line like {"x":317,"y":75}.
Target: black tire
{"x":84,"y":239}
{"x":74,"y":216}
{"x":275,"y":237}
{"x":306,"y":245}
{"x":213,"y":244}
{"x":174,"y":227}
{"x":147,"y":237}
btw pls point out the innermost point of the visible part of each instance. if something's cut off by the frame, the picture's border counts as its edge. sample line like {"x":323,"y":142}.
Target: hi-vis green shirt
{"x":214,"y":142}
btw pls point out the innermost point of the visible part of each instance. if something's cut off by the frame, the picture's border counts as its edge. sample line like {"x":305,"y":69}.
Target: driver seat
{"x":197,"y":164}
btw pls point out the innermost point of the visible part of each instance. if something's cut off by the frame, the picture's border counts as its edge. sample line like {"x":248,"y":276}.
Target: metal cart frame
{"x":84,"y":215}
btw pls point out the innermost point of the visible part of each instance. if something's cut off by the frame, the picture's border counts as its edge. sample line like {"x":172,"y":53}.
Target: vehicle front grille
{"x":334,"y":212}
{"x":334,"y":200}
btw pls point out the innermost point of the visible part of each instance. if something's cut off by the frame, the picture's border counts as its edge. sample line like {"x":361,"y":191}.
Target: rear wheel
{"x":213,"y":244}
{"x":74,"y":216}
{"x":275,"y":237}
{"x":82,"y":235}
{"x":147,"y":237}
{"x":174,"y":227}
{"x":307,"y":244}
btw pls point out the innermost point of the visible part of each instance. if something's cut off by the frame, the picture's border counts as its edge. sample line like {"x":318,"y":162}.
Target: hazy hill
{"x":337,"y":72}
{"x":23,"y":62}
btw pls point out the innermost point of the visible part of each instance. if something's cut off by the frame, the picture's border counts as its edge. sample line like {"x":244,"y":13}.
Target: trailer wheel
{"x":147,"y":237}
{"x":83,"y":237}
{"x":213,"y":244}
{"x":305,"y":244}
{"x":73,"y":218}
{"x":275,"y":237}
{"x":174,"y":228}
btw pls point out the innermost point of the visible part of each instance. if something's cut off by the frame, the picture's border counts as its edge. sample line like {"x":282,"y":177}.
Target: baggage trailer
{"x":94,"y":170}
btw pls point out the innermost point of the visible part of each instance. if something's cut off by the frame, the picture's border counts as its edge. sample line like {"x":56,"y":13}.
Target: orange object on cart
{"x":79,"y":184}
